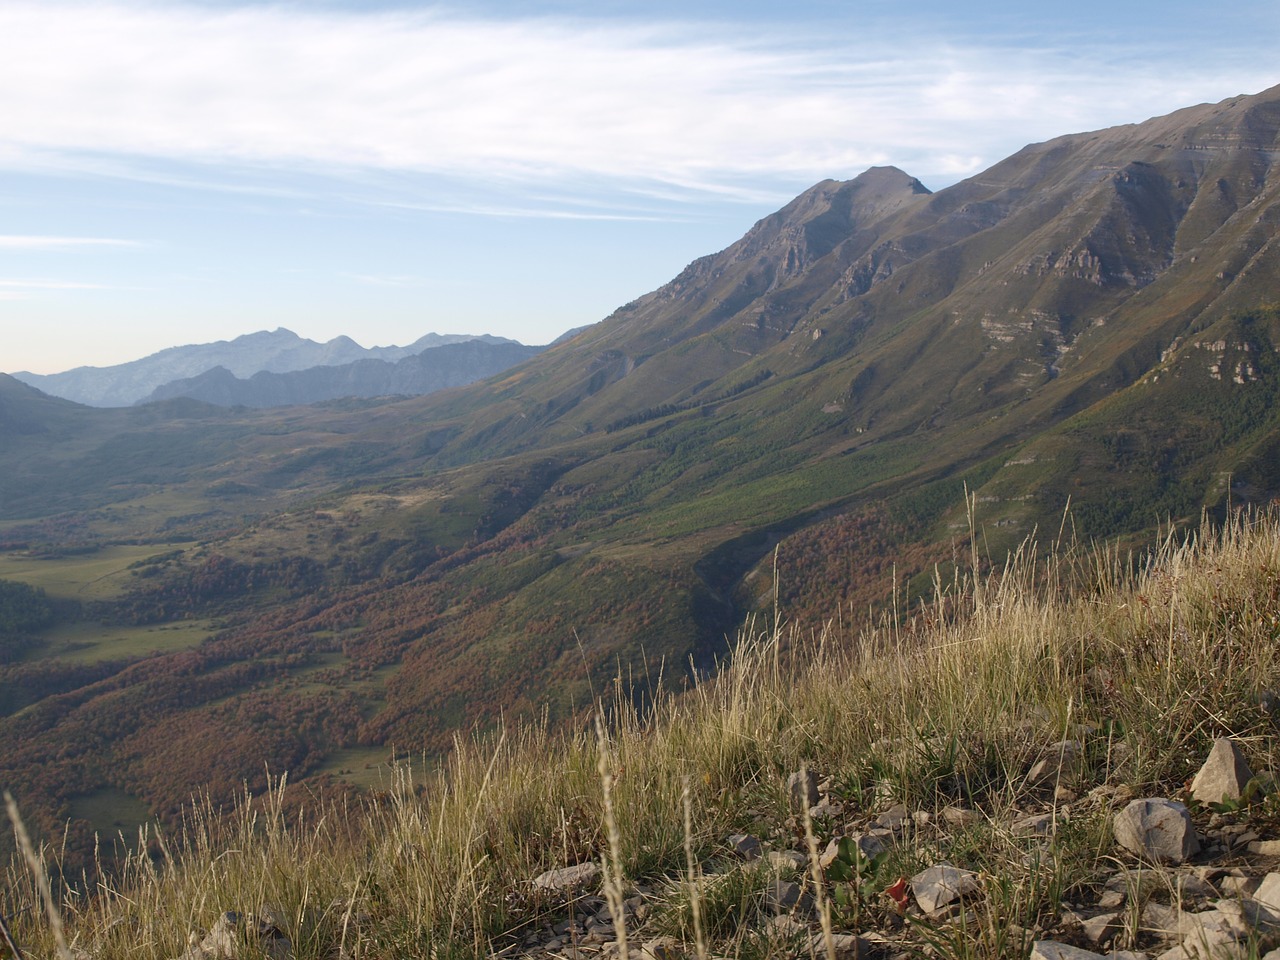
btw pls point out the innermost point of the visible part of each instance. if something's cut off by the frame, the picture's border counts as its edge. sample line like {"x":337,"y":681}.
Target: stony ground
{"x":1182,"y":887}
{"x":1190,"y":878}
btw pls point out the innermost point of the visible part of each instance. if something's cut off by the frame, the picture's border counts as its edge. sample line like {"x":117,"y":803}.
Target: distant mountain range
{"x":211,"y":370}
{"x":450,"y":365}
{"x":1084,"y":335}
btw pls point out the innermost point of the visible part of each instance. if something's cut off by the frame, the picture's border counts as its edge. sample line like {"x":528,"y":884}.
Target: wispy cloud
{"x":51,"y":285}
{"x":548,"y":211}
{"x":538,"y":100}
{"x":375,"y":280}
{"x":13,"y":242}
{"x":31,"y":289}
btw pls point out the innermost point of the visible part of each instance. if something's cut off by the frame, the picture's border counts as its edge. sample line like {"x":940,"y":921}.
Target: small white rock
{"x":567,"y":878}
{"x":1053,"y":950}
{"x":939,"y":886}
{"x":1268,"y":892}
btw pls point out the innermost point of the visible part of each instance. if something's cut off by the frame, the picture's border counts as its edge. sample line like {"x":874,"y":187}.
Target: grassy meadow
{"x":87,"y":642}
{"x":97,"y":574}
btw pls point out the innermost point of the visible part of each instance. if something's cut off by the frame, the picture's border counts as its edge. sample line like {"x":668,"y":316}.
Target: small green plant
{"x":1254,"y":792}
{"x":855,"y":877}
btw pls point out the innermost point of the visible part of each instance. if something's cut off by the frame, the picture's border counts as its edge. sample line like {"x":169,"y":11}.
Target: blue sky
{"x":185,"y":172}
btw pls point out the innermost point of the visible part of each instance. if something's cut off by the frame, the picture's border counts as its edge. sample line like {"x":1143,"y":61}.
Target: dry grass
{"x":1146,"y":662}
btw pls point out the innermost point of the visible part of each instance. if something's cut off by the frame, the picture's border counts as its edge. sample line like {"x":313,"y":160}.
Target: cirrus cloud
{"x":17,"y":242}
{"x":539,"y":99}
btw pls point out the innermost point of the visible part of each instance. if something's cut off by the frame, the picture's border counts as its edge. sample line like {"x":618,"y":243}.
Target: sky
{"x":184,"y":172}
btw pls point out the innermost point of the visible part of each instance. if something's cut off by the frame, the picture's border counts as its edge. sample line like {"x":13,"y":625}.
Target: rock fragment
{"x":802,"y":790}
{"x":1159,"y":919}
{"x":1053,"y":950}
{"x":869,"y":846}
{"x":662,"y":948}
{"x":960,"y":817}
{"x":1223,"y":775}
{"x":786,"y":859}
{"x":1060,"y":761}
{"x":1040,"y":825}
{"x":1238,"y":886}
{"x":1268,"y":892}
{"x":939,"y":886}
{"x":895,"y":818}
{"x":1101,"y":929}
{"x":827,"y":809}
{"x":745,"y":846}
{"x":223,"y":941}
{"x":1157,"y":829}
{"x":1114,"y":892}
{"x":1193,"y":886}
{"x":847,"y":946}
{"x":781,"y":895}
{"x":567,"y":878}
{"x":220,"y":944}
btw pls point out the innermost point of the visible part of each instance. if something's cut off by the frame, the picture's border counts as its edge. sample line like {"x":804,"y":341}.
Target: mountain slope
{"x":1089,"y":320}
{"x":27,"y":412}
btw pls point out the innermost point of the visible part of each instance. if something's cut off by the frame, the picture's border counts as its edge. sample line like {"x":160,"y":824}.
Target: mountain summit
{"x":1056,"y":275}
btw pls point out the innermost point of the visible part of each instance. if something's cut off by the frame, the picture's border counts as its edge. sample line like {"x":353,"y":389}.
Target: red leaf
{"x":898,"y":892}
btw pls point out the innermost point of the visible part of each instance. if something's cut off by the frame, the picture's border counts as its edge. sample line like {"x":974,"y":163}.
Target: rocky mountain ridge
{"x":1082,"y":258}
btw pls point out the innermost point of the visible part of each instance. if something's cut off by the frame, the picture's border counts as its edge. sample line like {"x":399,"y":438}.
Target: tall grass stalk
{"x":612,"y":861}
{"x":35,"y":863}
{"x":815,"y":872}
{"x":693,"y":876}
